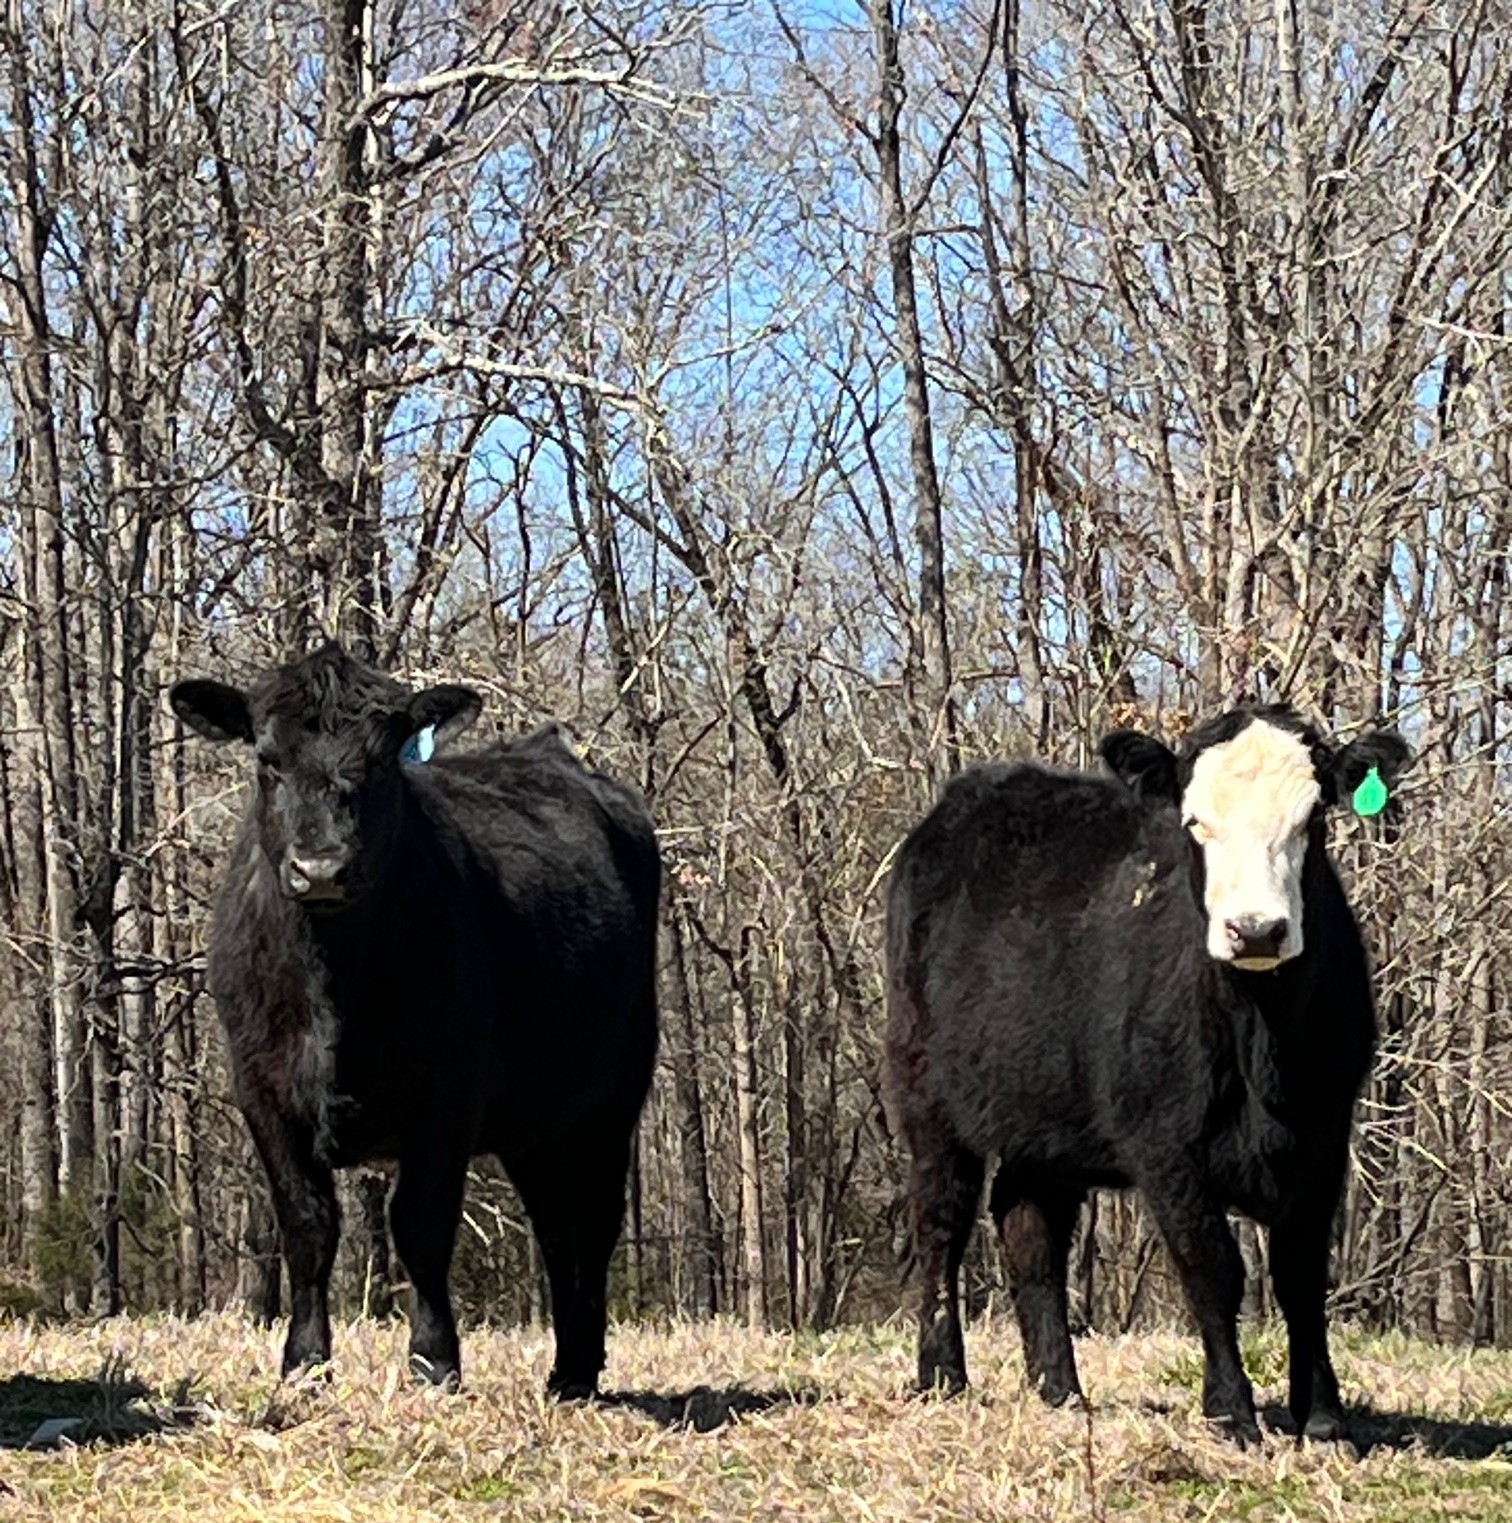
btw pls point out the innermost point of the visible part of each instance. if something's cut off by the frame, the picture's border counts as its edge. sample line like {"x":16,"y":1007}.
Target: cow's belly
{"x":391,"y":1093}
{"x":358,"y":1146}
{"x":1036,"y":1114}
{"x":1055,"y":1111}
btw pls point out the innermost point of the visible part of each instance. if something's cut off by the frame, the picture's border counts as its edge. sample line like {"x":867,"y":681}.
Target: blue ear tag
{"x":420,"y":747}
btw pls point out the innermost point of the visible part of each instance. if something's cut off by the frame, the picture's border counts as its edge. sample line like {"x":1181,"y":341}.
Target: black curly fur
{"x":484,"y":982}
{"x":1051,"y":1003}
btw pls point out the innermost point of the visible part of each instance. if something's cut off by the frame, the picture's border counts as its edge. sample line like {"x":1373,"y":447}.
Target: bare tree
{"x":799,"y":404}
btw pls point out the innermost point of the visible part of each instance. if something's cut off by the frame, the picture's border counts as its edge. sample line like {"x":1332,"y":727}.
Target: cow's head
{"x":327,"y":732}
{"x":1252,"y":786}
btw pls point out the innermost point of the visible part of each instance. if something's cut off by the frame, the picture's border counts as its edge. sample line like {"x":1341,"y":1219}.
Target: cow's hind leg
{"x":576,"y":1204}
{"x":599,"y":1213}
{"x":309,"y":1222}
{"x":424,"y":1213}
{"x":946,"y":1191}
{"x":1036,"y":1225}
{"x":1212,"y":1276}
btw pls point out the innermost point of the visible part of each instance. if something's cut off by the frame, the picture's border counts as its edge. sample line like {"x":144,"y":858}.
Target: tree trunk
{"x":752,"y":1238}
{"x":345,"y":553}
{"x":28,"y":954}
{"x":942,"y":740}
{"x":372,"y":1190}
{"x":695,"y":1195}
{"x":48,"y":676}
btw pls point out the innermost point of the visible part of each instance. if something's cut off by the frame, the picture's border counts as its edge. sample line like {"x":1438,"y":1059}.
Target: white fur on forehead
{"x":1260,"y":781}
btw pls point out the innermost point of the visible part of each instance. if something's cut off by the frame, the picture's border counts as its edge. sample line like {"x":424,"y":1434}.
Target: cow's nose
{"x":1251,"y":936}
{"x":321,"y":876}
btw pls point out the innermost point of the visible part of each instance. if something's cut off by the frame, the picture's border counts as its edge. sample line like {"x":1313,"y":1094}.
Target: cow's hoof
{"x":562,"y":1388}
{"x":1242,"y":1432}
{"x":944,"y":1383}
{"x":444,"y":1373}
{"x":1057,"y":1395}
{"x":1327,"y":1427}
{"x":313,"y":1369}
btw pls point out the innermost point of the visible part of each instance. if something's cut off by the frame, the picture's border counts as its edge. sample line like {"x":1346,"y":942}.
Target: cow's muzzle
{"x":1254,"y":942}
{"x":318,"y":879}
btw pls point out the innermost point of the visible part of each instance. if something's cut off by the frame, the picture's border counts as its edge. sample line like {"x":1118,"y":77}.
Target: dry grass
{"x":206,"y":1433}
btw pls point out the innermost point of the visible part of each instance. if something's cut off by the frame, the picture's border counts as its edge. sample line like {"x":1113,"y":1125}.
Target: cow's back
{"x":1013,"y":960}
{"x":559,"y":842}
{"x":552,"y":879}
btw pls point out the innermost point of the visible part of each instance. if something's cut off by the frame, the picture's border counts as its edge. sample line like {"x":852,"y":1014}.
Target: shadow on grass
{"x":704,"y":1408}
{"x":41,"y":1412}
{"x":1444,"y":1438}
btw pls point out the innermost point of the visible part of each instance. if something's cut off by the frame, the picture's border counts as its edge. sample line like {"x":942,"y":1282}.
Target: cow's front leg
{"x":426,"y":1208}
{"x":1212,"y":1275}
{"x":1299,"y":1271}
{"x":309,"y":1222}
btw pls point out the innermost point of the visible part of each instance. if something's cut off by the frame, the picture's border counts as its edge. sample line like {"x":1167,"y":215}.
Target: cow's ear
{"x":446,"y":710}
{"x":215,"y":710}
{"x":1382,"y":752}
{"x":1147,"y":767}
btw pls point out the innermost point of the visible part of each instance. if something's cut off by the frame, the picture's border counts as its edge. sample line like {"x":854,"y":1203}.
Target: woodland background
{"x":800,"y":400}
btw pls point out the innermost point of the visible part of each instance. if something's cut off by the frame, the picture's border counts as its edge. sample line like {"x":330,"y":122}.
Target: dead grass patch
{"x":186,"y":1421}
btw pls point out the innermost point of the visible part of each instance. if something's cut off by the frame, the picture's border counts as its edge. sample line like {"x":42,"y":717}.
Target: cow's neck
{"x":1279,"y":997}
{"x":341,"y":934}
{"x":1278,"y":1007}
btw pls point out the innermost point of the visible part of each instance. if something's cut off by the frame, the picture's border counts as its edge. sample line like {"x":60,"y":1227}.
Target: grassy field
{"x":184,"y":1421}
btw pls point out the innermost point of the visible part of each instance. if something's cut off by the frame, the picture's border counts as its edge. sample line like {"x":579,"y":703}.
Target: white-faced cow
{"x":1149,"y":980}
{"x":419,"y":964}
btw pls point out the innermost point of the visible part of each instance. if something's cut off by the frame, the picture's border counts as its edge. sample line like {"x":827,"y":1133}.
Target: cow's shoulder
{"x":543,"y":817}
{"x":528,"y":774}
{"x":1023,"y":829}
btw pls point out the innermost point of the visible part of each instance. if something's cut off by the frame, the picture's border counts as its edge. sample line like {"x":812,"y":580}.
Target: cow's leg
{"x":424,"y":1213}
{"x":1212,"y":1276}
{"x":309,"y":1222}
{"x":575,"y":1202}
{"x":544,"y":1196}
{"x":946,"y":1190}
{"x":1036,"y":1228}
{"x":597,"y":1194}
{"x":1299,"y":1272}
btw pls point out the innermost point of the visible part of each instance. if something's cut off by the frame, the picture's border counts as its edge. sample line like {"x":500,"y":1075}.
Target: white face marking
{"x":1247,"y":805}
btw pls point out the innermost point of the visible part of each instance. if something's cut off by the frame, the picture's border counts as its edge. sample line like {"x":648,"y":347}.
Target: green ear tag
{"x":1370,"y":797}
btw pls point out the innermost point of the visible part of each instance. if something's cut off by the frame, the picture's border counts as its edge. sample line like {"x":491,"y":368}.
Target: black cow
{"x":419,"y":964}
{"x":1154,"y":980}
